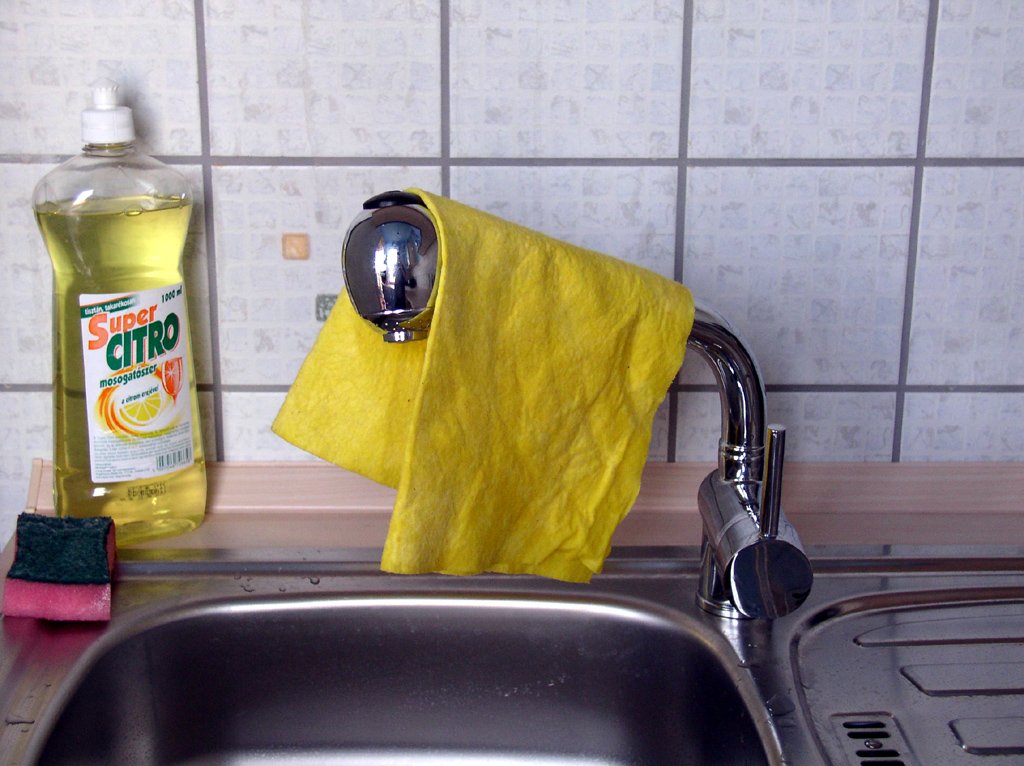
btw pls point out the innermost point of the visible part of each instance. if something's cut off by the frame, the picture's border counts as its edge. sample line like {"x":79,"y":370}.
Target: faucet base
{"x":711,"y":592}
{"x":743,"y":572}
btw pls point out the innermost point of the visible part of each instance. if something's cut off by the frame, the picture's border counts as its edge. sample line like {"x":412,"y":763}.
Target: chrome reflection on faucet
{"x":390,"y":262}
{"x":753,"y":563}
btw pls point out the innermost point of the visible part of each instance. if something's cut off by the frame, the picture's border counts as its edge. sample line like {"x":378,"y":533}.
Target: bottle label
{"x":135,"y":347}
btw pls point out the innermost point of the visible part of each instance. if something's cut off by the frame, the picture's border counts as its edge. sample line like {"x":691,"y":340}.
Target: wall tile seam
{"x":682,"y":185}
{"x":209,"y":227}
{"x":914,"y":235}
{"x":444,"y":87}
{"x":216,"y":161}
{"x":47,"y":388}
{"x":811,"y":388}
{"x":778,"y":388}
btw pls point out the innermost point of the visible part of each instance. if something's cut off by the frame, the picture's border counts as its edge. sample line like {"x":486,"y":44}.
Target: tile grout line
{"x":445,"y":95}
{"x":684,"y":139}
{"x":867,"y":388}
{"x":597,"y":162}
{"x":681,"y":183}
{"x":780,"y":388}
{"x":913,"y":239}
{"x":216,"y":387}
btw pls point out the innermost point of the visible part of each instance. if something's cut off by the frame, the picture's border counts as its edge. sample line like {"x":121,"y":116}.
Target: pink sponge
{"x":62,"y":568}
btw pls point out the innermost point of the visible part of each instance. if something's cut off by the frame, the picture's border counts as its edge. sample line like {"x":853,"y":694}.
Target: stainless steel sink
{"x":899,"y":658}
{"x":360,"y":668}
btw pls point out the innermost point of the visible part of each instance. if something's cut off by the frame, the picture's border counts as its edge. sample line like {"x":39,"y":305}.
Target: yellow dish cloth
{"x":516,"y":433}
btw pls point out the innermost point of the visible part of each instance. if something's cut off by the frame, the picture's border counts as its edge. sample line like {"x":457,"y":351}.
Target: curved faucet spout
{"x":753,"y":563}
{"x":741,"y":448}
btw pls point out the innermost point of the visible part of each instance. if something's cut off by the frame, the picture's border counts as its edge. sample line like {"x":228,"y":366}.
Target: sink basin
{"x":406,"y":678}
{"x":900,"y":657}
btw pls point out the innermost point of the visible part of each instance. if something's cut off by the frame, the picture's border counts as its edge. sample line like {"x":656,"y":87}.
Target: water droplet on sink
{"x":780,"y":704}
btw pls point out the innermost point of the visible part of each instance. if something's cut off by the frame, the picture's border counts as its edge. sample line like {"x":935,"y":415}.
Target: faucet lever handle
{"x":771,"y":486}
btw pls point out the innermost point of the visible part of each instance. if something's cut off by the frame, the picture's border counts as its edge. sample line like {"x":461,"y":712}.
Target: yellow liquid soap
{"x":127,"y":438}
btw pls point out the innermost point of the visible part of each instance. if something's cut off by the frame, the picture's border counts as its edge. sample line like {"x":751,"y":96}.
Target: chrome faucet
{"x":389,"y":264}
{"x":752,"y":561}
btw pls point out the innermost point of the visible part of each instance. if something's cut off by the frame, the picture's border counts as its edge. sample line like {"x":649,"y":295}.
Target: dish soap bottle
{"x":127,"y":441}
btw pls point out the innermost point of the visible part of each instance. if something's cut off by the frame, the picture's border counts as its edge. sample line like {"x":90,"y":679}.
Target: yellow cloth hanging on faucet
{"x":517,"y":432}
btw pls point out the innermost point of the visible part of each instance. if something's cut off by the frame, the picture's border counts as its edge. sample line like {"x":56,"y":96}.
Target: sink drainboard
{"x":937,"y":682}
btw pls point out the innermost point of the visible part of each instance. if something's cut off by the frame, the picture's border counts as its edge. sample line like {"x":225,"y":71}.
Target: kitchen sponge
{"x":62,"y":568}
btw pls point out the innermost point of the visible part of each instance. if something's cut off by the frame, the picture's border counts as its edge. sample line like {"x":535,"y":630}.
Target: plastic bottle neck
{"x":109,"y":150}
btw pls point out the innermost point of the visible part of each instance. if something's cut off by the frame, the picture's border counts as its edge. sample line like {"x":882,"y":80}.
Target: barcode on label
{"x":174,"y":459}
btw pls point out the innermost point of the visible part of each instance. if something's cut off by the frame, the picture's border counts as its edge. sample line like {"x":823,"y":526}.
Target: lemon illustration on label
{"x":142,"y":411}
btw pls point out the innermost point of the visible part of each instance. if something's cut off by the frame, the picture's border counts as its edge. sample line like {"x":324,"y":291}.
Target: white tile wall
{"x":52,"y":51}
{"x":25,"y":281}
{"x":820,"y":426}
{"x":977,"y":103}
{"x":829,"y":426}
{"x":195,"y":266}
{"x":531,"y":78}
{"x":323,"y":78}
{"x":247,"y":434}
{"x":968,"y":319}
{"x":806,"y":79}
{"x":781,"y":156}
{"x":698,"y":426}
{"x":808,"y":263}
{"x":26,"y":432}
{"x":657,"y":450}
{"x":947,"y":426}
{"x":208,"y":422}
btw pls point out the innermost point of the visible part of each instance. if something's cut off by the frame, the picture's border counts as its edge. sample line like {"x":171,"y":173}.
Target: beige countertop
{"x":260,"y":505}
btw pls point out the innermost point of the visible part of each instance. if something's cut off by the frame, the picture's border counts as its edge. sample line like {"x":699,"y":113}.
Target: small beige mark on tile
{"x":295,"y":247}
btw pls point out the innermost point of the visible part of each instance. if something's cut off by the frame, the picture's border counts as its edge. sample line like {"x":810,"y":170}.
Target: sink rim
{"x":423,"y":596}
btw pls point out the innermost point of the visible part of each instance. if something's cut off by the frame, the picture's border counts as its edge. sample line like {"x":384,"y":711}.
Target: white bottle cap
{"x":107,"y":122}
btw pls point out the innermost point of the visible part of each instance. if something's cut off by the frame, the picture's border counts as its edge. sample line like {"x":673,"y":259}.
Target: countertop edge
{"x":295,"y":504}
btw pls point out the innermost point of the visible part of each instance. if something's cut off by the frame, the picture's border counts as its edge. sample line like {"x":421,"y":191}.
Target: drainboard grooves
{"x":387,"y":756}
{"x":975,"y":629}
{"x":967,"y":678}
{"x":990,"y":736}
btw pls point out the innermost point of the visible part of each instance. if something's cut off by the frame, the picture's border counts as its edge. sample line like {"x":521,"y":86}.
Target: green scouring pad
{"x":62,"y":568}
